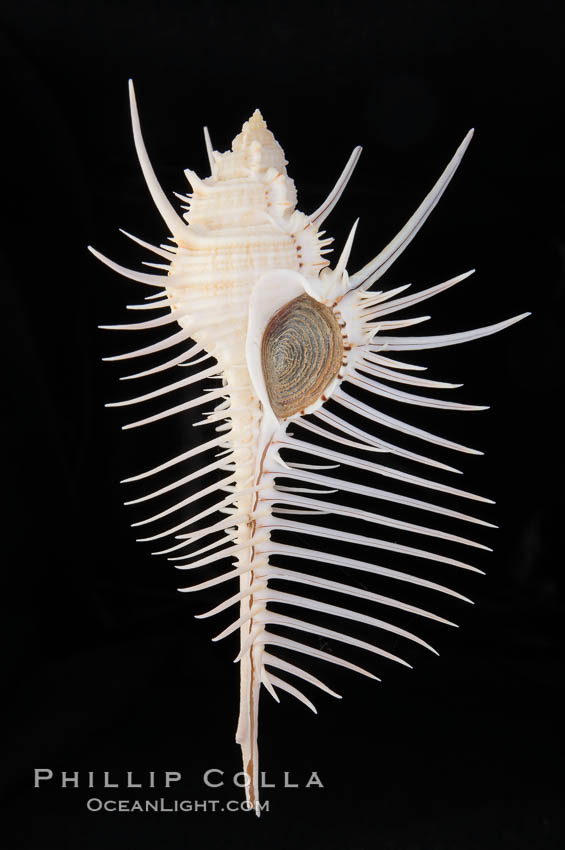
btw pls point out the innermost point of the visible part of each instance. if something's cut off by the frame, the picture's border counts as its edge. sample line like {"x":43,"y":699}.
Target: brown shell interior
{"x":301,"y":353}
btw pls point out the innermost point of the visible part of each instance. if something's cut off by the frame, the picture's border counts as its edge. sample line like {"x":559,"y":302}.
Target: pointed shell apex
{"x":254,"y":150}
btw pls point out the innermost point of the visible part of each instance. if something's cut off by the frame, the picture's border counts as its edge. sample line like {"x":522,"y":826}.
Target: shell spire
{"x":254,"y":150}
{"x":269,"y":343}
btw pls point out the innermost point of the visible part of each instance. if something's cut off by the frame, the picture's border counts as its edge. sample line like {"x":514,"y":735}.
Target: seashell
{"x":284,"y":337}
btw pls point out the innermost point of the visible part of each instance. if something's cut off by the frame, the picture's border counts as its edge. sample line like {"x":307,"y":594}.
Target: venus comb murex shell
{"x":285,"y":334}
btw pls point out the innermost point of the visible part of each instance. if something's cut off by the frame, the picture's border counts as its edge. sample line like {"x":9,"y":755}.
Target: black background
{"x":105,"y":667}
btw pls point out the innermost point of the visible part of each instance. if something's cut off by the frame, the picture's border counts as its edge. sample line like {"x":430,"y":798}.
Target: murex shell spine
{"x":280,"y":334}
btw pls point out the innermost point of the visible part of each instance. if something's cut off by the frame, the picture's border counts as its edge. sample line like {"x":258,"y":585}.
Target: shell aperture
{"x":302,"y":352}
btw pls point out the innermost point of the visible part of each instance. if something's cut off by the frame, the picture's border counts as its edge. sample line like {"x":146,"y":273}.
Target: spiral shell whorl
{"x":301,"y":352}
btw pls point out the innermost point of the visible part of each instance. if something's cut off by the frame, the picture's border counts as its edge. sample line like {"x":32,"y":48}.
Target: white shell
{"x":241,"y":252}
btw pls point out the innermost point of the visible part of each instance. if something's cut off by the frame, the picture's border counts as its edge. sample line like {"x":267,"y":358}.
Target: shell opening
{"x":301,"y":354}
